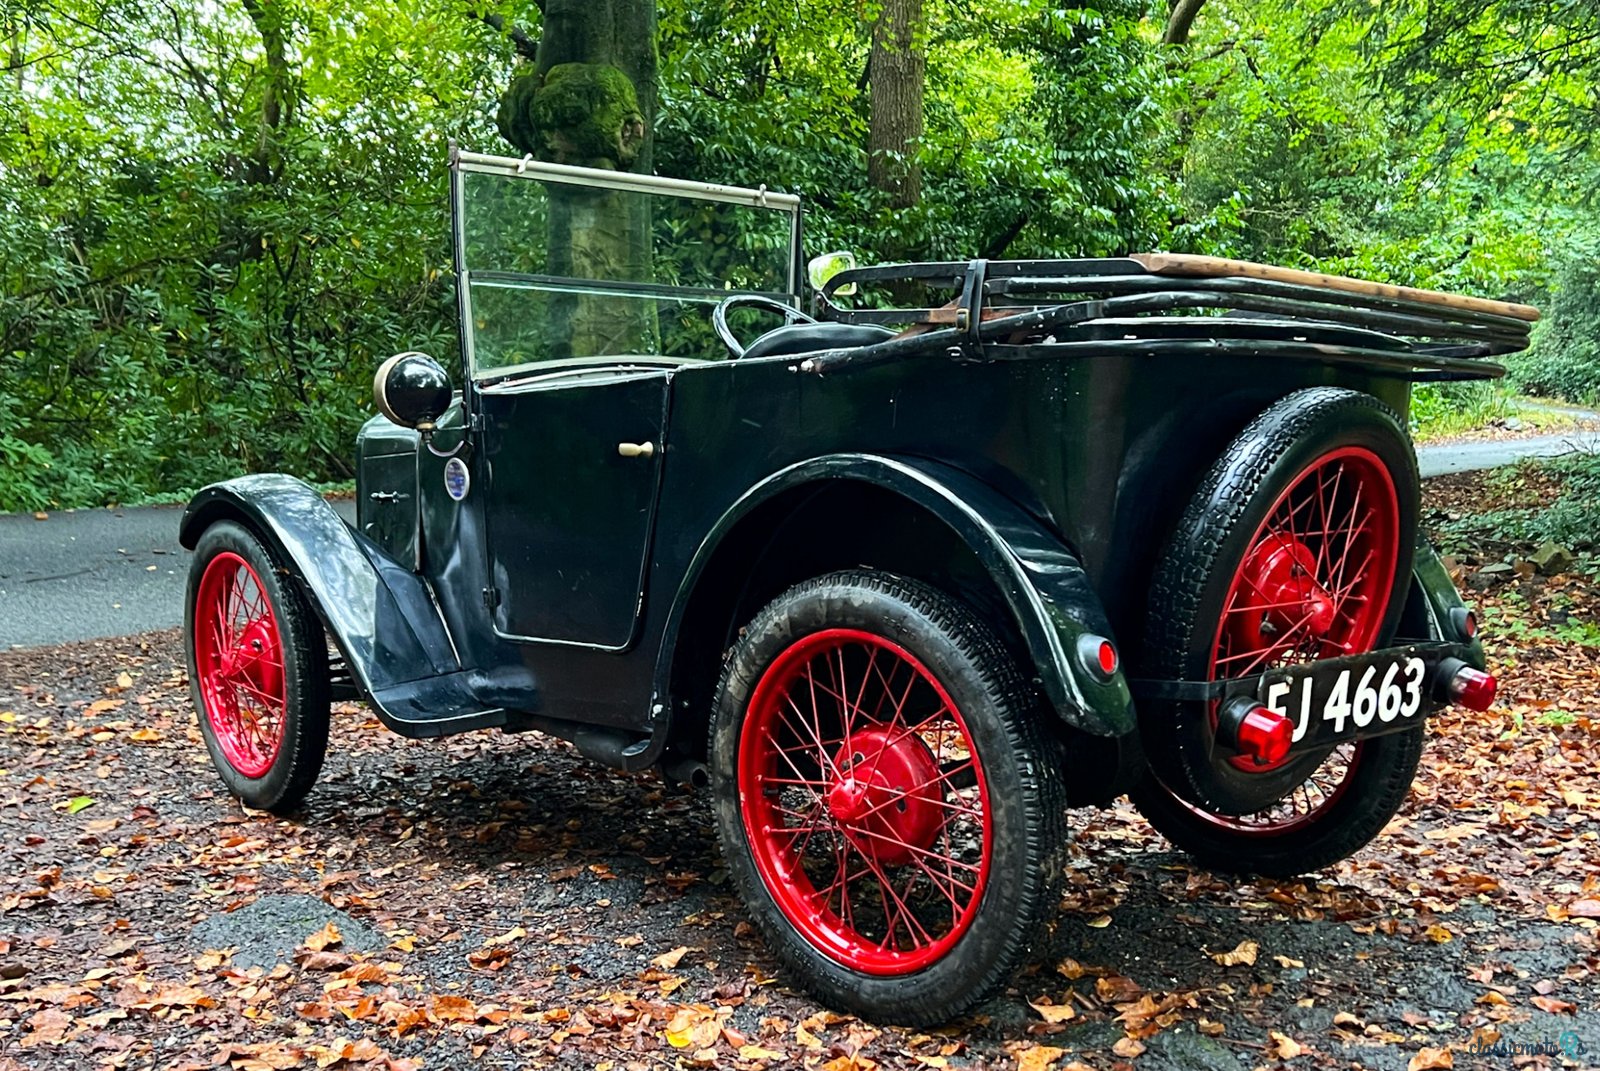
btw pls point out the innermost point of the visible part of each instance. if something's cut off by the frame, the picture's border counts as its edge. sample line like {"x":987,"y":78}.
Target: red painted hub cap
{"x":1314,"y":584}
{"x":238,"y":656}
{"x":864,"y":802}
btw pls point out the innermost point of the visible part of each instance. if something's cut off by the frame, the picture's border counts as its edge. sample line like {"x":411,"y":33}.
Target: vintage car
{"x":896,"y":585}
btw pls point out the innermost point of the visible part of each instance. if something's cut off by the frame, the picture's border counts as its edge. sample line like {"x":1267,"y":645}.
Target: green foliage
{"x":1442,"y":409}
{"x":1573,"y":520}
{"x":1564,"y":360}
{"x":211,"y":228}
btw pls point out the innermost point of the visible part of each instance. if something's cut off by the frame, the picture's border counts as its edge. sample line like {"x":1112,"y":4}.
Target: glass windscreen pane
{"x":538,"y":227}
{"x":522,"y":323}
{"x":531,"y":245}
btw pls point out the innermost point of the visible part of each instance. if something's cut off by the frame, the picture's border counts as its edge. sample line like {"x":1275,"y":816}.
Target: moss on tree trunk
{"x":590,"y":100}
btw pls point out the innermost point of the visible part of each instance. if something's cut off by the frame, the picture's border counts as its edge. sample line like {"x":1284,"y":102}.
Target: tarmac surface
{"x":90,"y":573}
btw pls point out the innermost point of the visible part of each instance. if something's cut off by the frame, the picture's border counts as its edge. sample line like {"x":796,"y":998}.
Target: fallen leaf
{"x":1100,"y":923}
{"x":323,"y":961}
{"x":1283,"y":1046}
{"x":50,"y":1026}
{"x":756,"y":1052}
{"x":669,"y":960}
{"x":1554,"y":1006}
{"x":79,"y":803}
{"x":1289,"y":964}
{"x":1038,"y":1057}
{"x":327,"y":937}
{"x":1584,"y":909}
{"x":1431,"y":1060}
{"x":446,"y":1008}
{"x":1244,"y":954}
{"x":1054,"y":1013}
{"x":1127,"y":1047}
{"x":850,"y":1061}
{"x":1438,"y":934}
{"x":516,"y":933}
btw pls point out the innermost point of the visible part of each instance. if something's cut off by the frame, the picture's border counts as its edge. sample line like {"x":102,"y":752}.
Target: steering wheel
{"x":719,"y":317}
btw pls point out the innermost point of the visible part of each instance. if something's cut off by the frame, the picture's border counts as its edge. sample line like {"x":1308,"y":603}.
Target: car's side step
{"x":436,"y":706}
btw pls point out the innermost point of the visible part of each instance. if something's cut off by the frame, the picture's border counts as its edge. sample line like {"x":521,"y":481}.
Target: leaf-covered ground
{"x":497,"y":901}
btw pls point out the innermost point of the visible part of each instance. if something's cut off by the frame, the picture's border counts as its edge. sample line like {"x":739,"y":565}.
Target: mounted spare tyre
{"x":1295,"y":548}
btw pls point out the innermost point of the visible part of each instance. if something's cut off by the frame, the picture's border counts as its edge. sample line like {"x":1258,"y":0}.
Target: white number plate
{"x":1335,"y":701}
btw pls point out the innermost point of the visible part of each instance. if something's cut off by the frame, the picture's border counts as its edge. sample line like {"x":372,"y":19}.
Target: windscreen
{"x":560,"y":268}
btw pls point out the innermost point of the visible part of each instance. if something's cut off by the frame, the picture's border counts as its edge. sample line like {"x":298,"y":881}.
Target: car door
{"x":572,"y":461}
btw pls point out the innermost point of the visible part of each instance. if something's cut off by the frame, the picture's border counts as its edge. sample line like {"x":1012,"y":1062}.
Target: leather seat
{"x":808,"y":338}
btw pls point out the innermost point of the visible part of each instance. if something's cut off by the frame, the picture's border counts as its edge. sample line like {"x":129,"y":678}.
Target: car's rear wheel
{"x":1294,"y":549}
{"x":887,"y":796}
{"x":258,"y":670}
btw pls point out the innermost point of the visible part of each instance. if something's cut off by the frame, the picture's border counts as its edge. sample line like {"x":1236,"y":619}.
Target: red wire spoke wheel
{"x":258,"y":670}
{"x":888,"y":796}
{"x":239,"y":662}
{"x":865,"y":808}
{"x":1294,"y":549}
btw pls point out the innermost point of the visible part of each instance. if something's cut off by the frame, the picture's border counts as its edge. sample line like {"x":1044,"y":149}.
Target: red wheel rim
{"x":1315,"y":583}
{"x":238,"y":656}
{"x":864,"y":802}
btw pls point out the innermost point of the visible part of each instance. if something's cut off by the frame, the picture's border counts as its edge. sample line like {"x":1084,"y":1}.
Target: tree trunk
{"x":897,"y":69}
{"x":590,"y":99}
{"x":1180,"y":20}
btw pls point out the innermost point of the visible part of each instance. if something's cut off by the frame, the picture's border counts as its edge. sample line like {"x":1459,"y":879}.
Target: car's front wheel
{"x":886,"y":796}
{"x":258,"y":670}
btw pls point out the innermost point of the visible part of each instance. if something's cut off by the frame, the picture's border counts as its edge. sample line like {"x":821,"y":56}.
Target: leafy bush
{"x":1564,"y":360}
{"x":1440,"y":409}
{"x":1573,"y":520}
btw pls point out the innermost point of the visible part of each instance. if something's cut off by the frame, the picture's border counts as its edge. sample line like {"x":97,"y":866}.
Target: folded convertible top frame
{"x":1146,"y":305}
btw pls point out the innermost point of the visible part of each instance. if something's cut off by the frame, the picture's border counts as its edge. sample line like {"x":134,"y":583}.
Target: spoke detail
{"x":865,"y":802}
{"x":239,"y":664}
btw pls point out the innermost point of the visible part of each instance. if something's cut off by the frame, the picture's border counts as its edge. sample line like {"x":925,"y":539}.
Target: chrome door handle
{"x":636,"y":449}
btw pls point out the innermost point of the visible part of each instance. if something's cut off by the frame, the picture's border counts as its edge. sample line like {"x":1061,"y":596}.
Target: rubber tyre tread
{"x":289,"y":780}
{"x":1180,"y":629}
{"x":1019,"y":906}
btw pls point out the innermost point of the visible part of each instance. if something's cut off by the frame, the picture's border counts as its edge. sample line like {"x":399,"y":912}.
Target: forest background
{"x":217,"y":217}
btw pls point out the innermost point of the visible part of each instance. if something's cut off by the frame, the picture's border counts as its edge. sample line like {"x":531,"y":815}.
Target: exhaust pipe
{"x":691,"y":772}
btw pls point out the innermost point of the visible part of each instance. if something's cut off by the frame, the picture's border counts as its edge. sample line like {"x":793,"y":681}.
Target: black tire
{"x":1239,"y":820}
{"x":1015,"y":756}
{"x":297,"y":758}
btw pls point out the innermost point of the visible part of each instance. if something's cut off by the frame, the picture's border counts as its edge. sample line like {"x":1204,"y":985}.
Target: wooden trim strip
{"x":1185,"y":264}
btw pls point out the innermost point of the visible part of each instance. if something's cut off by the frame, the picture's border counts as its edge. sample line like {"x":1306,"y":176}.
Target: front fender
{"x":1039,"y":578}
{"x":378,"y":612}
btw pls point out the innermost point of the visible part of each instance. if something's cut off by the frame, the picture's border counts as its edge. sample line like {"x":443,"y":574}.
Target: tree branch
{"x":526,"y":46}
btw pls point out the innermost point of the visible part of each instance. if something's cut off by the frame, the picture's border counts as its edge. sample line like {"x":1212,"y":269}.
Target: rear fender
{"x":379,"y":613}
{"x":1430,"y":602}
{"x":1038,"y":577}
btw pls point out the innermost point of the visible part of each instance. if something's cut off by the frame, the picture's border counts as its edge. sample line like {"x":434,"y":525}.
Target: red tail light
{"x":1472,"y":688}
{"x":1265,"y":736}
{"x":1254,"y":731}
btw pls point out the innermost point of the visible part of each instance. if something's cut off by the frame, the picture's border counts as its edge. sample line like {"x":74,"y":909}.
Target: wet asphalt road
{"x":85,"y":574}
{"x":89,"y":573}
{"x":1469,"y":457}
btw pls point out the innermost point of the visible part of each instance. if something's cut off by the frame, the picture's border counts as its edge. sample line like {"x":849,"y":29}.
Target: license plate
{"x":1348,"y":698}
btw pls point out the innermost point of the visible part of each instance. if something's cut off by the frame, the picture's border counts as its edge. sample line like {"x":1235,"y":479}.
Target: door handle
{"x":636,"y":449}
